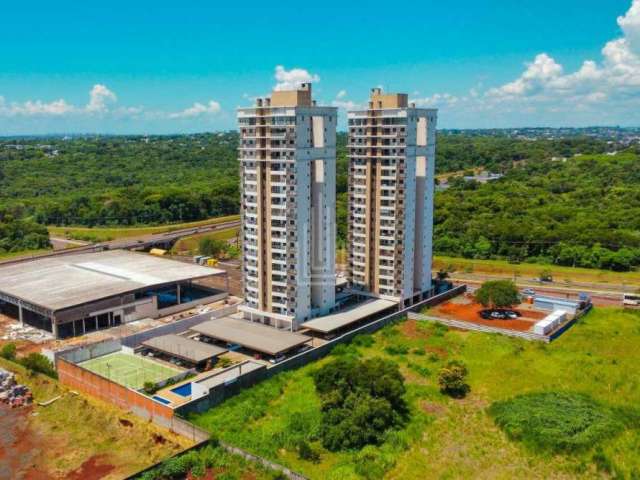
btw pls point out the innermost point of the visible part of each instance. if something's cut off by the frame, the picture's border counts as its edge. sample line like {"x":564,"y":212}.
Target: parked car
{"x":499,"y":314}
{"x":278,"y":359}
{"x":233,"y":347}
{"x":528,"y":291}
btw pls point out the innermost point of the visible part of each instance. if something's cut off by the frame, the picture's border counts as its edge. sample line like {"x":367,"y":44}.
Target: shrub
{"x":400,"y":349}
{"x":306,"y":452}
{"x":149,"y":387}
{"x":556,"y":420}
{"x":363,"y":340}
{"x":420,"y":370}
{"x":451,"y":379}
{"x":8,"y":351}
{"x":37,"y":362}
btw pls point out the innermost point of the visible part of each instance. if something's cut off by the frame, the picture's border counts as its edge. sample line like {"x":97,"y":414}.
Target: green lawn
{"x":129,"y":370}
{"x":101,"y":234}
{"x":448,"y":438}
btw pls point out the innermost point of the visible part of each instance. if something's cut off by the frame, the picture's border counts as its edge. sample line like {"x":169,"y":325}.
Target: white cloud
{"x":291,"y":79}
{"x":603,"y":88}
{"x":341,"y":94}
{"x":34,"y":108}
{"x":99,"y":97}
{"x":198,"y":109}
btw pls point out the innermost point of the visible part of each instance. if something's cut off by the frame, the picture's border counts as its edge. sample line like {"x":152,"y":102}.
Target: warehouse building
{"x":71,"y":295}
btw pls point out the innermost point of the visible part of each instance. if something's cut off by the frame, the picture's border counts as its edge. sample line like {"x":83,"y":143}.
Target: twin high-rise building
{"x":287,"y":154}
{"x":391,"y":187}
{"x":288,"y":170}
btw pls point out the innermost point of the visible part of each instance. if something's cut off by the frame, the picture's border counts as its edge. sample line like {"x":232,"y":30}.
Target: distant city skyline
{"x":142,"y":67}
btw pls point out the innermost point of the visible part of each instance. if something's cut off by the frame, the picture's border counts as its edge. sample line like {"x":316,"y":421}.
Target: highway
{"x":165,"y":239}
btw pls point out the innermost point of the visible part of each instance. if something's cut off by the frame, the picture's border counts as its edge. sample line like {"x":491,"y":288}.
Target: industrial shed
{"x":71,"y":295}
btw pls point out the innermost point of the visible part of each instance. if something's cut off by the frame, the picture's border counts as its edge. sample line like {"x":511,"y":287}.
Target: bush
{"x":397,"y":349}
{"x":8,"y":351}
{"x":363,"y":340}
{"x":556,"y":420}
{"x":306,"y":452}
{"x":149,"y":388}
{"x":37,"y":362}
{"x":451,"y":379}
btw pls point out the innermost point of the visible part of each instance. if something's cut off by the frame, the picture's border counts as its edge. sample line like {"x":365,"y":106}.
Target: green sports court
{"x":129,"y":370}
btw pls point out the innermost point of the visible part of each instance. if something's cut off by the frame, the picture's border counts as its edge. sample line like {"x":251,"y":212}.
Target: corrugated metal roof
{"x":65,"y":281}
{"x":254,"y":336}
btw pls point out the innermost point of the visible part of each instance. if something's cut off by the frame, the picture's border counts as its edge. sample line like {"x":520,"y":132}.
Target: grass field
{"x":190,"y":244}
{"x":448,"y":438}
{"x":532,"y":270}
{"x":75,"y":430}
{"x":101,"y":234}
{"x":23,"y":253}
{"x":129,"y":370}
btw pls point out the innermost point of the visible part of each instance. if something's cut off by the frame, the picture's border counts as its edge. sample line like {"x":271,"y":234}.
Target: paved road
{"x":599,"y":298}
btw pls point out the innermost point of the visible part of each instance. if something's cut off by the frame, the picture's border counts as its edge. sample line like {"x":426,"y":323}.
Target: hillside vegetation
{"x":580,"y":212}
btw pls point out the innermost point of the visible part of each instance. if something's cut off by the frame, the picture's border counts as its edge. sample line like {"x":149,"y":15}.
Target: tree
{"x":498,"y":294}
{"x":37,"y":362}
{"x":451,"y":379}
{"x":361,"y":400}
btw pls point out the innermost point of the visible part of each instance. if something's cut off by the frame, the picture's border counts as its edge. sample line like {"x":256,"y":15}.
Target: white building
{"x":287,"y":154}
{"x":391,"y":189}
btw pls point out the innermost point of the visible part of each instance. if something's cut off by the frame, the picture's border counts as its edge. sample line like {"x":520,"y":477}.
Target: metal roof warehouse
{"x":253,"y":336}
{"x":74,"y":294}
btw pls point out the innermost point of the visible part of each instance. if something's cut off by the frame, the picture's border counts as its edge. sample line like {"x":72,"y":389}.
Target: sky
{"x":142,"y":67}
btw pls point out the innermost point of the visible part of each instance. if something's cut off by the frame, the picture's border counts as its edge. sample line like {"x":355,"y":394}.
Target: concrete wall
{"x":177,"y":326}
{"x":85,"y":352}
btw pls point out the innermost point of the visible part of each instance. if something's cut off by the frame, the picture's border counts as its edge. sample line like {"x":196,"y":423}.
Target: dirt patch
{"x":19,"y":451}
{"x":433,"y":408}
{"x":159,"y":439}
{"x":125,"y":423}
{"x":409,"y":329}
{"x":94,"y":468}
{"x":470,"y":312}
{"x":210,"y":474}
{"x":439,"y":351}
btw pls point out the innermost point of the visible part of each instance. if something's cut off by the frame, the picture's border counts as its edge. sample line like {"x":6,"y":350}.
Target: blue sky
{"x":163,"y":67}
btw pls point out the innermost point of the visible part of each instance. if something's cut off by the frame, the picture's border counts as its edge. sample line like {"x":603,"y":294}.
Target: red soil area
{"x":92,"y":469}
{"x":19,"y":449}
{"x":470,"y":312}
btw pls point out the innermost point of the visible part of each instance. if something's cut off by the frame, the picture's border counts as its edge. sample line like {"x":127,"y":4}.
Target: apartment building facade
{"x":287,"y":155}
{"x":391,"y":189}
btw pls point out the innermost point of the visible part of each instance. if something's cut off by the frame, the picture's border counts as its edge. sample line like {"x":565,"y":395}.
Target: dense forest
{"x":582,"y":211}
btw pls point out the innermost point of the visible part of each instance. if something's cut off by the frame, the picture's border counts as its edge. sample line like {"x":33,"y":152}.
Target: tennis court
{"x":129,"y":370}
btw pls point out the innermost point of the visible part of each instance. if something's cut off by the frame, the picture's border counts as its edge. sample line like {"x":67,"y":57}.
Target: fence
{"x":177,"y":326}
{"x":480,"y":328}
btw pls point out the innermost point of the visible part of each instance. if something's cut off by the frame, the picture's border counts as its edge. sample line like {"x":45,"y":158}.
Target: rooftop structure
{"x":184,"y":348}
{"x":349,"y":316}
{"x":254,"y":336}
{"x":391,"y":190}
{"x":73,"y":294}
{"x":287,"y":155}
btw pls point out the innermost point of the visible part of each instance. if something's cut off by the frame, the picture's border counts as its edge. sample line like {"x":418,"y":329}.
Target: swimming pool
{"x":161,"y":400}
{"x":183,"y":390}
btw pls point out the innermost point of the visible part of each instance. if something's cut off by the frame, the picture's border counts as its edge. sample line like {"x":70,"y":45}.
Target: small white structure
{"x":549,"y":323}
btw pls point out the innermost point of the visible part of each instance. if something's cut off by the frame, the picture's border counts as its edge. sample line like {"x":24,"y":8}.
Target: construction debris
{"x":11,"y":392}
{"x":16,"y":331}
